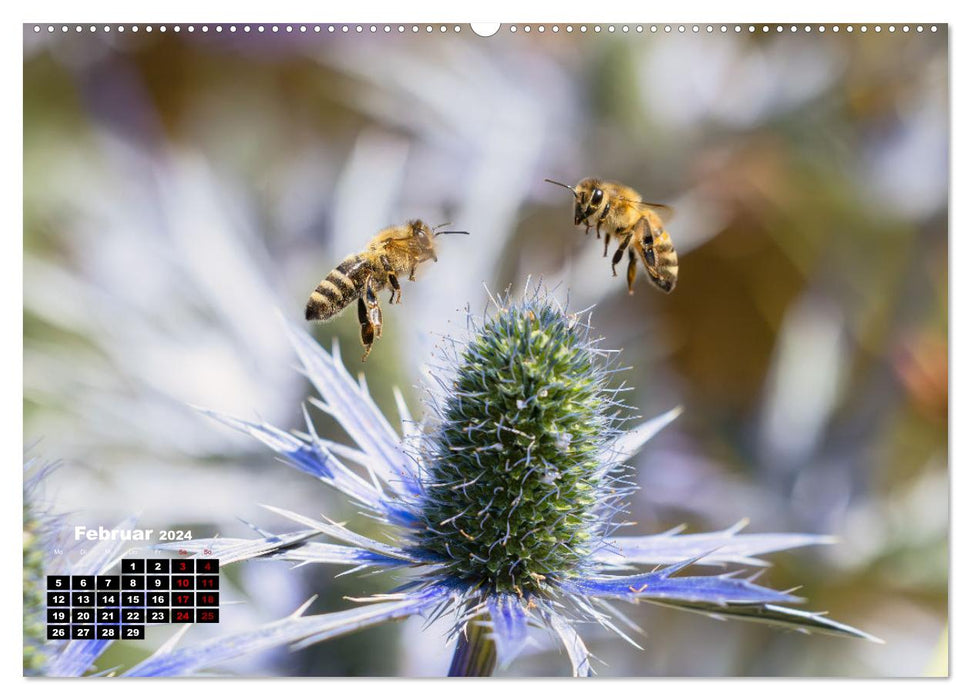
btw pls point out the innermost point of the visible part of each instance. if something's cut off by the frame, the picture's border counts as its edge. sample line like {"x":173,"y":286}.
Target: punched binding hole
{"x":485,"y":29}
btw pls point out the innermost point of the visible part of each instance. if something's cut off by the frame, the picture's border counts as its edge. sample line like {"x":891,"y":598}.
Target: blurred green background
{"x":182,"y":188}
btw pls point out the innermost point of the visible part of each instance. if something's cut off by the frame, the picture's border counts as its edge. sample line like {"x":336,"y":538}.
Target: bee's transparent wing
{"x":665,"y":212}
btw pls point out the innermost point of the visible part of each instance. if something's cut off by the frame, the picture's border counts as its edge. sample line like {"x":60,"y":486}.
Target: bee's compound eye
{"x":597,"y":198}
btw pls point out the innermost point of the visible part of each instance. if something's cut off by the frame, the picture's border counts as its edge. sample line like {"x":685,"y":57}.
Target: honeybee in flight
{"x":395,"y":251}
{"x":619,"y":211}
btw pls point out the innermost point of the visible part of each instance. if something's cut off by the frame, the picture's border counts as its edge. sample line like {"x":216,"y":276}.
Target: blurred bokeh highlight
{"x":182,"y":191}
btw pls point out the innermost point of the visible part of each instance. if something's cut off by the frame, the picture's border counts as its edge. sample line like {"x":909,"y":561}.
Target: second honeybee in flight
{"x":618,"y":210}
{"x":394,"y":252}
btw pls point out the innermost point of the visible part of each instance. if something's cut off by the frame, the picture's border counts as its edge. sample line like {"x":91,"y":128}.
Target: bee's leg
{"x":373,"y":307}
{"x":645,"y":248}
{"x":603,"y":216}
{"x":663,"y":282}
{"x":631,"y":271}
{"x":367,"y":330}
{"x":620,"y":253}
{"x":369,"y":315}
{"x":411,"y":274}
{"x":606,"y":243}
{"x":395,"y":287}
{"x":392,"y":279}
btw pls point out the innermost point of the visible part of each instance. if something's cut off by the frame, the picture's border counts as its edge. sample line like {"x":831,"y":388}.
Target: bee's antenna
{"x":447,"y":223}
{"x":554,"y":182}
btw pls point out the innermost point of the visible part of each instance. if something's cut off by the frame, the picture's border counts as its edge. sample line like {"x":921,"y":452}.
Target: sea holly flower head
{"x":506,"y":506}
{"x":514,"y":487}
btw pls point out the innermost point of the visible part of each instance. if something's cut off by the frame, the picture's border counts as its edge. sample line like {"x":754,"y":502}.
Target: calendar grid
{"x":144,"y":592}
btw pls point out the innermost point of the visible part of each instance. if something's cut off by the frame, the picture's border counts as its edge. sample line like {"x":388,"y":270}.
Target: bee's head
{"x":425,"y":238}
{"x":421,"y":234}
{"x":588,"y":198}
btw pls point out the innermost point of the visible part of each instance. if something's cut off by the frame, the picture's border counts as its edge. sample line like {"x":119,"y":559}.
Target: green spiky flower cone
{"x":515,"y":488}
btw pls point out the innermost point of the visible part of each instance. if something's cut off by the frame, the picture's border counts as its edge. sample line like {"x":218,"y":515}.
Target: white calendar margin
{"x":440,"y":11}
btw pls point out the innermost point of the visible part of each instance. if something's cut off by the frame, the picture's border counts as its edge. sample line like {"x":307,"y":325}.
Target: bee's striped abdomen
{"x":337,"y":289}
{"x":665,"y":260}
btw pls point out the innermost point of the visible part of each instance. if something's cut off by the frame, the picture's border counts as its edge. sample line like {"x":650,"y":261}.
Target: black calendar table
{"x":146,"y":591}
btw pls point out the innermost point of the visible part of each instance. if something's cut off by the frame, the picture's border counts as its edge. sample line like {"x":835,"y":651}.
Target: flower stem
{"x":475,"y":652}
